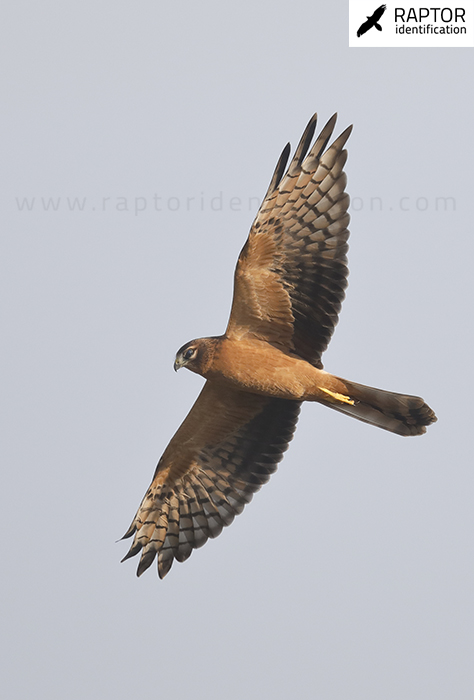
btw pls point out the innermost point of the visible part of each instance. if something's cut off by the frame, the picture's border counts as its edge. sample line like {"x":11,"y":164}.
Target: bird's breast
{"x":260,"y":368}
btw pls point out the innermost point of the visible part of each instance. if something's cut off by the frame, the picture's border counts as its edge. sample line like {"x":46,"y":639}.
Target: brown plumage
{"x":288,"y":289}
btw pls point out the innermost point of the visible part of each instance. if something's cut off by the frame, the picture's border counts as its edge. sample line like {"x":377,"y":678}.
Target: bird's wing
{"x":227,"y":447}
{"x":365,"y":26}
{"x":378,"y":13}
{"x":291,"y":274}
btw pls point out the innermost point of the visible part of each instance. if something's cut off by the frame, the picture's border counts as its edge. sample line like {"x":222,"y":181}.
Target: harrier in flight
{"x":288,"y":288}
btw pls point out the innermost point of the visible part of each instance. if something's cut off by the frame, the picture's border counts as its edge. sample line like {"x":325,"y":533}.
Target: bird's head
{"x":195,"y":355}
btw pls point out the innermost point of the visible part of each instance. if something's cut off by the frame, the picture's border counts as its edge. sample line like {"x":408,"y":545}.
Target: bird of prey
{"x":372,"y":21}
{"x":288,"y":288}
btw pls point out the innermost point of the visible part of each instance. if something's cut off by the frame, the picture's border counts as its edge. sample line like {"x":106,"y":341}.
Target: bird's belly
{"x":260,"y":368}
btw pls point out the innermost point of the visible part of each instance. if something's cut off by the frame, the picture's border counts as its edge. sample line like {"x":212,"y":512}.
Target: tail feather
{"x":398,"y":413}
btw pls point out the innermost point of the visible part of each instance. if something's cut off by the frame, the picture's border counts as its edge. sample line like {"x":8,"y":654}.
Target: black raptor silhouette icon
{"x":372,"y":21}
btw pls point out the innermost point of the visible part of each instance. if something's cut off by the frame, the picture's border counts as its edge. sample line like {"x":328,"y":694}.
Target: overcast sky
{"x":138,"y":139}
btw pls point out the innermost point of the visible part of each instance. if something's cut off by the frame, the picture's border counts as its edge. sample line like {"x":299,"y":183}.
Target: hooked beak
{"x":178,"y":363}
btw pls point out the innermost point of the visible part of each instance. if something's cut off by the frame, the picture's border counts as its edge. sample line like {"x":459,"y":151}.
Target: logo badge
{"x":411,"y":24}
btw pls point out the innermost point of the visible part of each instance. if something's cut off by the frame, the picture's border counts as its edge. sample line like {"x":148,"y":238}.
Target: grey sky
{"x":350,"y":574}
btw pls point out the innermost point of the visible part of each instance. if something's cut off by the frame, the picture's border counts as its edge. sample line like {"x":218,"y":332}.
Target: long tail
{"x":398,"y":413}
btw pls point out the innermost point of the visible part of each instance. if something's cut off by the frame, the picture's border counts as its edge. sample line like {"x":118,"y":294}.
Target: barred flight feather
{"x":305,"y":214}
{"x":174,"y":520}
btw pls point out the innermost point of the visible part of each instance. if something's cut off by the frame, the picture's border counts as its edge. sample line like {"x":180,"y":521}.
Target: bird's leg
{"x":338,"y":397}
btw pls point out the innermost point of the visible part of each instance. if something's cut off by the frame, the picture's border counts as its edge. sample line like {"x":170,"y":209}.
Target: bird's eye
{"x":189,"y":353}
